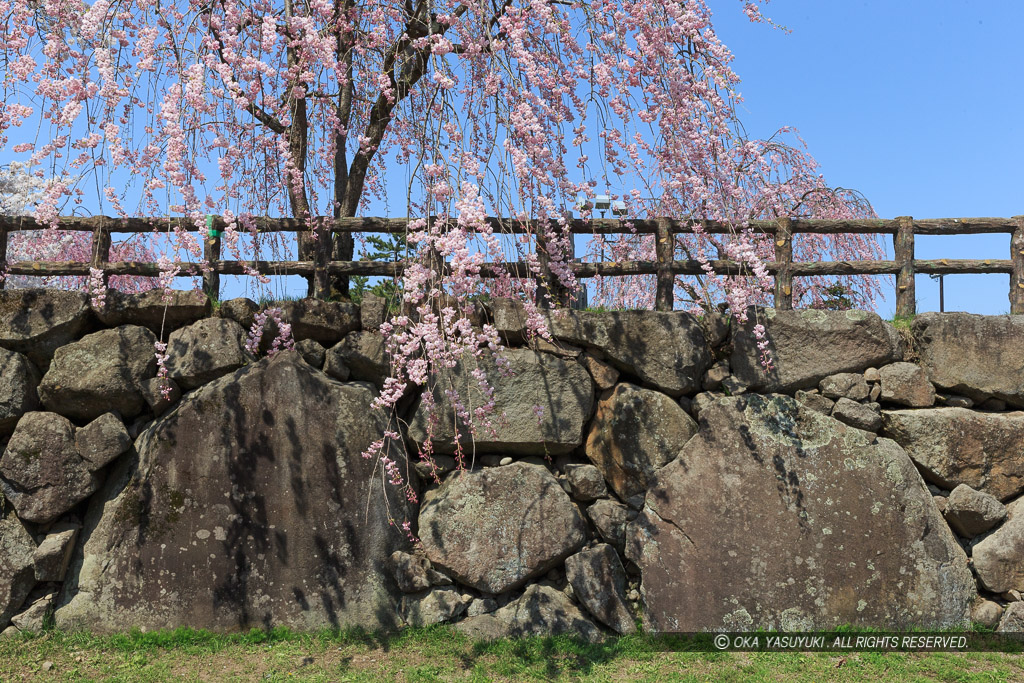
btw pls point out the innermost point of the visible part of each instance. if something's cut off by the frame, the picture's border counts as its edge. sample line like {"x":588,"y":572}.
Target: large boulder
{"x":496,"y":528}
{"x":979,"y":356}
{"x":634,"y":433}
{"x":38,"y":321}
{"x":17,"y":573}
{"x":775,"y":516}
{"x":161,"y":312}
{"x":541,"y":611}
{"x":100,"y":372}
{"x":809,"y":345}
{"x":248,"y":505}
{"x":540,"y":409}
{"x":204,"y":351}
{"x":666,"y":350}
{"x":999,"y":557}
{"x":18,"y":381}
{"x":955,"y":446}
{"x":42,"y":472}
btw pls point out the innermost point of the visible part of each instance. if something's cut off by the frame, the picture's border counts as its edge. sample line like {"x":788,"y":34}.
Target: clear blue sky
{"x":919,"y":105}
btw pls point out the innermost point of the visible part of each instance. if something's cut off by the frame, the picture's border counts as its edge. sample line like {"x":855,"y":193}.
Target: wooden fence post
{"x":664,"y":249}
{"x":211,"y":254}
{"x":903,"y":251}
{"x":1017,"y":277}
{"x":784,"y":258}
{"x":321,"y":255}
{"x":3,"y":255}
{"x":101,"y":248}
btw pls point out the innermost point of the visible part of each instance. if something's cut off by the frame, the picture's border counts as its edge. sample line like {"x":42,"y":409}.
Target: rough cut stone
{"x":850,"y":385}
{"x":481,"y":606}
{"x":102,"y":440}
{"x":667,"y":350}
{"x":16,"y":571}
{"x":413,"y":573}
{"x":160,"y":312}
{"x":249,"y":505}
{"x":496,"y":528}
{"x":560,"y":388}
{"x":635,"y":432}
{"x":872,"y":375}
{"x":241,"y":310}
{"x":41,"y":472}
{"x":857,"y":415}
{"x":599,"y":582}
{"x":372,"y":312}
{"x":434,"y":607}
{"x":906,"y":384}
{"x":586,"y":482}
{"x":777,"y":517}
{"x":18,"y":381}
{"x":815,"y":401}
{"x":36,"y":322}
{"x":958,"y":446}
{"x":986,"y":613}
{"x":99,"y":373}
{"x":204,"y":351}
{"x":715,"y":375}
{"x":323,"y":321}
{"x":808,"y":346}
{"x":52,"y":556}
{"x":999,"y":557}
{"x":716,"y":328}
{"x":1013,"y":619}
{"x":610,"y":517}
{"x":978,"y":356}
{"x":972,"y":512}
{"x":541,"y":611}
{"x":312,"y":352}
{"x":364,"y":355}
{"x":605,"y":376}
{"x":152,"y":392}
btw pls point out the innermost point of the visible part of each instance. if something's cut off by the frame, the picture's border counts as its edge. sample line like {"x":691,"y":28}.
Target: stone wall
{"x":645,"y":466}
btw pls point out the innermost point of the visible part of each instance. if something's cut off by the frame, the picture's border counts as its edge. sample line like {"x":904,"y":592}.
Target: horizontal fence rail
{"x":903,"y":229}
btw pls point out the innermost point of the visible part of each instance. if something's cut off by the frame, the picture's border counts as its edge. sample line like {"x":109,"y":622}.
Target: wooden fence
{"x":665,"y":268}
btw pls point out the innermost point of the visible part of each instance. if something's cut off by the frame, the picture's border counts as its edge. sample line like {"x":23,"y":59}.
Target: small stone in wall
{"x":815,"y":401}
{"x":541,"y":611}
{"x":439,"y":465}
{"x":40,"y":607}
{"x":153,"y":392}
{"x":365,"y":356}
{"x":52,"y":556}
{"x":876,"y":392}
{"x":733,"y":386}
{"x":414,"y":573}
{"x":599,"y":582}
{"x":372,"y":311}
{"x":954,"y":401}
{"x":433,"y":607}
{"x":605,"y":376}
{"x":610,"y":517}
{"x":986,"y":613}
{"x":715,"y":375}
{"x":940,"y":502}
{"x":17,"y":576}
{"x":849,"y":385}
{"x":857,"y":415}
{"x":586,"y":482}
{"x":1013,"y":619}
{"x":972,"y":512}
{"x":241,"y":310}
{"x":481,"y":606}
{"x":102,"y":440}
{"x":906,"y":384}
{"x":312,"y":352}
{"x":872,"y":375}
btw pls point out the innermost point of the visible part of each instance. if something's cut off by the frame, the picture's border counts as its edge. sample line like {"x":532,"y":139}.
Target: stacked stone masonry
{"x":645,"y":469}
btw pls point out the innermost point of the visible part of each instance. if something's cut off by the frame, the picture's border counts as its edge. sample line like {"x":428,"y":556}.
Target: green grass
{"x":440,"y":654}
